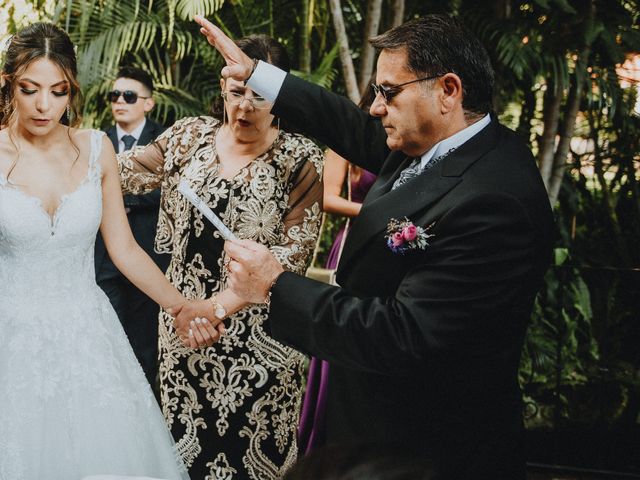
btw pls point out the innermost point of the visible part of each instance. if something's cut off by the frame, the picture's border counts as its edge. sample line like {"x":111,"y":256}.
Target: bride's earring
{"x":68,"y":113}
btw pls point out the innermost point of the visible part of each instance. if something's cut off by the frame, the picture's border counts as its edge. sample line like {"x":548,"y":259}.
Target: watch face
{"x":220,"y":312}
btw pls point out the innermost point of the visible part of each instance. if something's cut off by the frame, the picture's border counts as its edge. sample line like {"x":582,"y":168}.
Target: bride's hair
{"x":39,"y":40}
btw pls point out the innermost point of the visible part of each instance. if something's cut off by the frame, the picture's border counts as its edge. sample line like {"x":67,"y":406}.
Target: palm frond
{"x":325,"y":73}
{"x":186,"y":9}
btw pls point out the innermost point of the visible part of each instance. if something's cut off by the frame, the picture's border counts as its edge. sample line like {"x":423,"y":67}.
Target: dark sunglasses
{"x":390,"y":91}
{"x":129,"y":96}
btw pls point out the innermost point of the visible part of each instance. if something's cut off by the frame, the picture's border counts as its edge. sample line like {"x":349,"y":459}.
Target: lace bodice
{"x":42,"y":247}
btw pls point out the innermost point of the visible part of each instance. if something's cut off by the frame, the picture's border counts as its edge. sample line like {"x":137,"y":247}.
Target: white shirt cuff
{"x":267,"y":80}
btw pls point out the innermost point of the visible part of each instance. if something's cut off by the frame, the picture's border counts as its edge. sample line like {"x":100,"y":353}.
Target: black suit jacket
{"x":424,"y":347}
{"x":143,"y":209}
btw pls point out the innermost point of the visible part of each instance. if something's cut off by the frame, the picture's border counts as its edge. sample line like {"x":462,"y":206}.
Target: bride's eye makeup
{"x":63,"y":89}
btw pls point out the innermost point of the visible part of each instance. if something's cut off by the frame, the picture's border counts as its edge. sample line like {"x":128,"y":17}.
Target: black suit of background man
{"x":137,"y":312}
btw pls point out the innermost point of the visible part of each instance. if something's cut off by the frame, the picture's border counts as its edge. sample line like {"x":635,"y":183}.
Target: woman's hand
{"x":239,"y":65}
{"x":196,"y":324}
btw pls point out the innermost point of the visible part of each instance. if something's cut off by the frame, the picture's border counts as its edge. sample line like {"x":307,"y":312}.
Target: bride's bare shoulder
{"x":82,"y":139}
{"x":80,"y":135}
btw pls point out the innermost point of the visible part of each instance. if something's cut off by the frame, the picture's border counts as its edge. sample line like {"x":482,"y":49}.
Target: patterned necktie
{"x":128,"y":141}
{"x":414,"y":169}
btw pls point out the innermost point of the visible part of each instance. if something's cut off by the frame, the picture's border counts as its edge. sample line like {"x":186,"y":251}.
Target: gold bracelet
{"x":218,"y":309}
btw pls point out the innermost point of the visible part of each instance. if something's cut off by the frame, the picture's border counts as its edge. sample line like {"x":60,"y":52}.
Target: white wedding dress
{"x":74,"y":401}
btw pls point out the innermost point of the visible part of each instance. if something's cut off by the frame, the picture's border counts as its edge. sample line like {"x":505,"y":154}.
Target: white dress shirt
{"x":135,"y":134}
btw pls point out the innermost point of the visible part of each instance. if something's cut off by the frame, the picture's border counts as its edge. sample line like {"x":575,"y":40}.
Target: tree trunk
{"x":502,"y":9}
{"x":305,"y":30}
{"x":633,"y":184}
{"x":398,"y":12}
{"x":551,"y":119}
{"x":527,"y":113}
{"x":568,"y":125}
{"x":348,"y":71}
{"x":367,"y":55}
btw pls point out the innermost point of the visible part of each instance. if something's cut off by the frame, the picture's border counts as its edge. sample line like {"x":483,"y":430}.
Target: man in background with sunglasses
{"x":131,"y":100}
{"x":441,"y":267}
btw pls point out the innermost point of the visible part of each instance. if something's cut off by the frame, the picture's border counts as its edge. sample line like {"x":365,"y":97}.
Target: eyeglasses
{"x":129,"y":96}
{"x":236,"y":98}
{"x":390,"y":91}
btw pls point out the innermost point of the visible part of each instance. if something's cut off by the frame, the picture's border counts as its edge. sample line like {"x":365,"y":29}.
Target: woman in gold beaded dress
{"x":233,"y":407}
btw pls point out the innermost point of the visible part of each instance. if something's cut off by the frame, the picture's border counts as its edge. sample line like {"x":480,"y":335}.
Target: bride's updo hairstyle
{"x":39,"y":40}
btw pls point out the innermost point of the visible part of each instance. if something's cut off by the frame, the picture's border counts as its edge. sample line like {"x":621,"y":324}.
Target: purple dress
{"x":311,"y":432}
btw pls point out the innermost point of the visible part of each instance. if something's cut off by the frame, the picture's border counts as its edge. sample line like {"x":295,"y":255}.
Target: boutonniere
{"x":403,"y":235}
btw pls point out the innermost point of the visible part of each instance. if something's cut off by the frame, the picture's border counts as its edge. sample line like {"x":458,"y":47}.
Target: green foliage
{"x":186,"y":9}
{"x":326,"y":73}
{"x":161,"y":37}
{"x":578,"y":366}
{"x":560,"y":347}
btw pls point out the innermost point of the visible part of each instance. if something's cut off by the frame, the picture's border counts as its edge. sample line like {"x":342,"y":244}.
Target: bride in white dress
{"x":73,"y":399}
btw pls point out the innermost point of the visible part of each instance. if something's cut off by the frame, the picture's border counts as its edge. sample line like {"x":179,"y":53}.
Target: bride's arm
{"x":123,"y":249}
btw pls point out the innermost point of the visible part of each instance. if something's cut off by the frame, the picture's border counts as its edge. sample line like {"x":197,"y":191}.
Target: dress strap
{"x":94,"y":158}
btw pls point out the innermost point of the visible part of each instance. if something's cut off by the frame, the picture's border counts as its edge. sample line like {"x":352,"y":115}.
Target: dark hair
{"x":265,"y":48}
{"x":261,"y":47}
{"x":439,"y":44}
{"x":135,"y":73}
{"x":39,"y":40}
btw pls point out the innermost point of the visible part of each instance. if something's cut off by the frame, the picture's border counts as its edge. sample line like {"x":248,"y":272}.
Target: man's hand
{"x":239,"y":65}
{"x":195,"y":323}
{"x":252,"y":269}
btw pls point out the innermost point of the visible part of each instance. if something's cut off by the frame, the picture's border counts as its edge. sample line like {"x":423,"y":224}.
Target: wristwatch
{"x":218,"y":309}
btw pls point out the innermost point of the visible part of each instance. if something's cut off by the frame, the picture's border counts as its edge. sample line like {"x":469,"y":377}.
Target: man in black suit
{"x":425,"y":333}
{"x":131,"y":99}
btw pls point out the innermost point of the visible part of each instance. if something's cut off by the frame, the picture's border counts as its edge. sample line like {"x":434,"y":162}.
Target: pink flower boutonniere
{"x":403,"y":235}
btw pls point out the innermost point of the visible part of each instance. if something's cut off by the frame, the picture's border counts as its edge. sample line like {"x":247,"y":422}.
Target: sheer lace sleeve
{"x":304,"y":210}
{"x":142,"y":168}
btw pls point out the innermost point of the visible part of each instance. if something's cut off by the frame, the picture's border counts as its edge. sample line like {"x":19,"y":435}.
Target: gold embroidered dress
{"x":233,"y":408}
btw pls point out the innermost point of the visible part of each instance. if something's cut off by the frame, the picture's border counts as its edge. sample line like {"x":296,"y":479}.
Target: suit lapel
{"x":395,"y":163}
{"x":147,"y":136}
{"x":404,"y":201}
{"x":113,"y":136}
{"x":382,"y":203}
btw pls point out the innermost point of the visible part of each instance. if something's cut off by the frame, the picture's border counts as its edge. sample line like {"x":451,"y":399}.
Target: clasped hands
{"x":251,"y":271}
{"x":196,"y":324}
